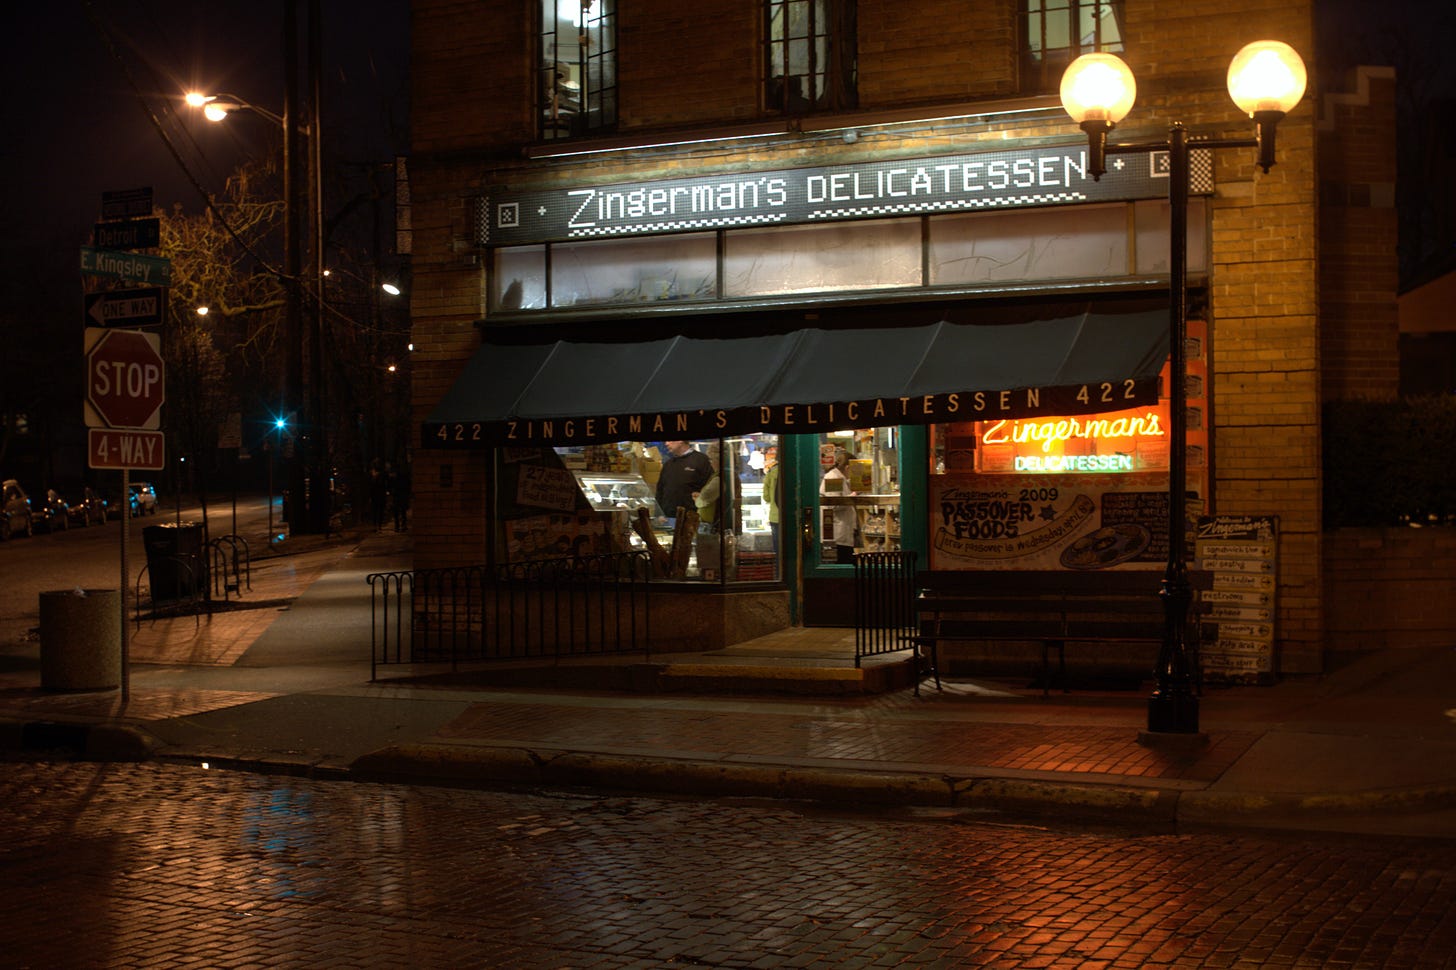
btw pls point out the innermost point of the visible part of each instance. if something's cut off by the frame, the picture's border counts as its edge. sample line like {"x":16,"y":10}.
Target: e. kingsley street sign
{"x":152,"y":270}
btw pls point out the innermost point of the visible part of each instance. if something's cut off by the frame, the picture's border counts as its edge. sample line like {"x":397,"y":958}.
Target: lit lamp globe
{"x":1266,"y":79}
{"x":1097,"y":92}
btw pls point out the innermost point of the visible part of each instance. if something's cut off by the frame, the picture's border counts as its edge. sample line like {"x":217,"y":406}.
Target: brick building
{"x":787,"y":230}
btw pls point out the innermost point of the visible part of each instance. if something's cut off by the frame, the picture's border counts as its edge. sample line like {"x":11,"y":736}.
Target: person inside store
{"x":706,"y":499}
{"x":685,"y":471}
{"x":772,"y":490}
{"x":845,"y":520}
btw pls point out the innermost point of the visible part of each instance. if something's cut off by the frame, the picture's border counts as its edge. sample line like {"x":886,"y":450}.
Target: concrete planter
{"x":80,"y":639}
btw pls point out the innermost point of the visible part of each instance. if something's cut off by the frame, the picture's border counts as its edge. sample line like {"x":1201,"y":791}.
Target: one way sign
{"x":137,"y":307}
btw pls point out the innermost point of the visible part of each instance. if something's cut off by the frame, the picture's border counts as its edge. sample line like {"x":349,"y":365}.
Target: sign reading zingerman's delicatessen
{"x":786,"y":418}
{"x":1045,"y":176}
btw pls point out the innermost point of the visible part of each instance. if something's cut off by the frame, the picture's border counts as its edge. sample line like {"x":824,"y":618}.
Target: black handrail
{"x":884,"y":603}
{"x":550,"y":608}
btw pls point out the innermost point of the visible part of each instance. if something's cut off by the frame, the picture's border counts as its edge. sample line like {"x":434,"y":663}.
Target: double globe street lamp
{"x":1266,"y":79}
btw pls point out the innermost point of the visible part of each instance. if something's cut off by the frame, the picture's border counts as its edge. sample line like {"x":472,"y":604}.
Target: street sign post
{"x":137,"y":307}
{"x":132,"y":234}
{"x":122,"y":448}
{"x":132,"y":267}
{"x":126,"y":203}
{"x":125,"y":379}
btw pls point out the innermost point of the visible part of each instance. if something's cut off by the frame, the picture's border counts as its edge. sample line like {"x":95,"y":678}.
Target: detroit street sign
{"x":153,"y":270}
{"x":132,"y":234}
{"x":138,"y":307}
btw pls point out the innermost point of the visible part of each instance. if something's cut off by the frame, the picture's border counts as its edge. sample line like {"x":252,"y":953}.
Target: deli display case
{"x":610,"y":491}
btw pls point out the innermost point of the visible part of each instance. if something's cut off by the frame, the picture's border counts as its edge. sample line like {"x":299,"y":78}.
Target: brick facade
{"x":1299,"y":286}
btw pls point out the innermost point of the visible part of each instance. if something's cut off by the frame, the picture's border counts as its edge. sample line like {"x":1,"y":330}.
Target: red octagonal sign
{"x":125,"y":379}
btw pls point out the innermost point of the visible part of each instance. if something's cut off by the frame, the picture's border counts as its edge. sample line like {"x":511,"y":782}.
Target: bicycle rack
{"x":190,"y":598}
{"x":232,"y":568}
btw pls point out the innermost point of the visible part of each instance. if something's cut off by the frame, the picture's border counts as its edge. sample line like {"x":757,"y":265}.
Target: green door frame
{"x":801,"y":540}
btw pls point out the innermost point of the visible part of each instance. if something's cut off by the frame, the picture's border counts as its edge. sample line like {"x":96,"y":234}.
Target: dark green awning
{"x":811,"y":380}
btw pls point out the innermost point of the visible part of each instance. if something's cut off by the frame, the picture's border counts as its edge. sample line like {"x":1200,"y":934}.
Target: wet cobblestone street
{"x":168,"y":866}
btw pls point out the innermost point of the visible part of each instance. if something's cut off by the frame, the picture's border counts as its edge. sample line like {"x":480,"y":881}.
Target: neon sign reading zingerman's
{"x":1050,"y":433}
{"x":788,"y":418}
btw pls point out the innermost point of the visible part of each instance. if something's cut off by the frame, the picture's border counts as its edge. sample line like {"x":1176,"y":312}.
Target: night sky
{"x":78,"y":117}
{"x":85,"y":79}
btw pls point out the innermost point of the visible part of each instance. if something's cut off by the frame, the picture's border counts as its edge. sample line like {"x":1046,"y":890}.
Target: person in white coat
{"x":845,"y":517}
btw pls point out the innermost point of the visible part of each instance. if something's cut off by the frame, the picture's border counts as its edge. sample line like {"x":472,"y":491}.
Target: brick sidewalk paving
{"x":849,"y":737}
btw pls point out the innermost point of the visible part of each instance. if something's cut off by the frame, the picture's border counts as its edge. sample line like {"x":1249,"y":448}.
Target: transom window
{"x":1056,"y":32}
{"x":578,"y":72}
{"x":810,"y":56}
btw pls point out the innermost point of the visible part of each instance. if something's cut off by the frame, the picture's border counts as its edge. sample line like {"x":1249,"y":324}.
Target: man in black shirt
{"x":684,"y":472}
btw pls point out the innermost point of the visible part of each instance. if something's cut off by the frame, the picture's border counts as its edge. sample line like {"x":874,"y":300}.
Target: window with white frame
{"x":809,"y":56}
{"x":1056,"y":32}
{"x":578,"y":67}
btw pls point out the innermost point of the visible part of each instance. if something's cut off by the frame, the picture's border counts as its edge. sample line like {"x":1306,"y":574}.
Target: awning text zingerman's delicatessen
{"x":792,"y":418}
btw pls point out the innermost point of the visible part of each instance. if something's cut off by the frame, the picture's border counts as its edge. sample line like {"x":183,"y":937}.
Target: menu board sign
{"x":1240,"y":551}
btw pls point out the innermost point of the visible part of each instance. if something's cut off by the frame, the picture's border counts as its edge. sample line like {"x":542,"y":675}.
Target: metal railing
{"x":175,"y":584}
{"x":230,"y":566}
{"x":551,"y":608}
{"x":884,"y":603}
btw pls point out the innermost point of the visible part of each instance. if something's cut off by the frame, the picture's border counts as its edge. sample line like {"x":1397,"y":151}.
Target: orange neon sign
{"x":1114,"y":442}
{"x":1058,"y":431}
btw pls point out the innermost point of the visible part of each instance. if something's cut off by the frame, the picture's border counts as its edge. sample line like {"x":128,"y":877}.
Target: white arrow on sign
{"x":136,"y":307}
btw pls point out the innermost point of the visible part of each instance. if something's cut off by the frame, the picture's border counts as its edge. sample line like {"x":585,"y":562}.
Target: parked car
{"x":51,"y":513}
{"x":143,"y":499}
{"x":91,"y":507}
{"x":15,"y":512}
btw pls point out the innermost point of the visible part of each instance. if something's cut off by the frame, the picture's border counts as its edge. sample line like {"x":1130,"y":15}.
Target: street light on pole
{"x":1266,"y":79}
{"x":308,"y":512}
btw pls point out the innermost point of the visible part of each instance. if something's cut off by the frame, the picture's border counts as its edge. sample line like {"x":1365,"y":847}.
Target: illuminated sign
{"x":1034,"y":176}
{"x":1125,"y":441}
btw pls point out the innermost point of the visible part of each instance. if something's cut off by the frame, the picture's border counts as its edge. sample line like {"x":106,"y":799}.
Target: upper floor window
{"x":809,"y":61}
{"x":578,"y":67}
{"x":1056,"y":32}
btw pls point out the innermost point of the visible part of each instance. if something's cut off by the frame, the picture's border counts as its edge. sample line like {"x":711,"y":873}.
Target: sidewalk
{"x":284,"y":686}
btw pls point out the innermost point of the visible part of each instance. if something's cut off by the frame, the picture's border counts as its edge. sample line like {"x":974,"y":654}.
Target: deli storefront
{"x":964,"y":356}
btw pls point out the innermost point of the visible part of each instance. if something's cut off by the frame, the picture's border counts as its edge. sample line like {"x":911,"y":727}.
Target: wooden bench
{"x":1051,"y":607}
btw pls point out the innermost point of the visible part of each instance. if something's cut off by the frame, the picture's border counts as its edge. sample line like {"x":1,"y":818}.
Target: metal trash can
{"x":175,"y":563}
{"x":80,"y":639}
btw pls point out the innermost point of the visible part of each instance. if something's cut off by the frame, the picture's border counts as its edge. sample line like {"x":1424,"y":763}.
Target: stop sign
{"x":125,"y":379}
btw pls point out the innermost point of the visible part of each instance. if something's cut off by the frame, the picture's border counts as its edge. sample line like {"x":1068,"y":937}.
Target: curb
{"x":486,"y":765}
{"x":461,"y":764}
{"x":1210,"y":807}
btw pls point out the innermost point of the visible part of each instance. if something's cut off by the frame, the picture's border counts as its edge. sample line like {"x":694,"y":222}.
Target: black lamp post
{"x":1266,"y":79}
{"x":308,"y":510}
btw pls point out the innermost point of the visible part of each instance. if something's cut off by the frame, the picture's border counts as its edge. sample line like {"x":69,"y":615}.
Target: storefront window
{"x":1087,"y":241}
{"x":1074,"y":492}
{"x":519,"y":280}
{"x":1151,"y":219}
{"x":875,"y":254}
{"x":647,"y":270}
{"x":705,"y":511}
{"x":859,"y":494}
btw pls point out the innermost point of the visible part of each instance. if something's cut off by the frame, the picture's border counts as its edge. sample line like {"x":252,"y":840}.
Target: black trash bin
{"x":175,"y":561}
